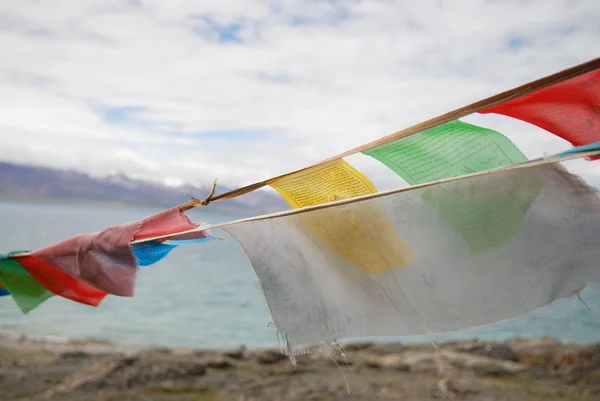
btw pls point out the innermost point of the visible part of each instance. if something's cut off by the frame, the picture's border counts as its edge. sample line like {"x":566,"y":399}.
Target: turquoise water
{"x":206,"y":295}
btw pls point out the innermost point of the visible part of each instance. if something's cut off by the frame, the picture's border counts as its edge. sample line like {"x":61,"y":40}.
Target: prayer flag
{"x":449,"y":150}
{"x":569,"y":109}
{"x":366,"y":240}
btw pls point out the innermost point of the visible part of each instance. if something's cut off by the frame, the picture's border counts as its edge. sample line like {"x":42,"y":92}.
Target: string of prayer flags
{"x":569,"y":109}
{"x":106,"y":259}
{"x":86,"y":268}
{"x":368,"y":241}
{"x":449,"y":150}
{"x":344,"y":269}
{"x":25,"y":290}
{"x":500,"y":98}
{"x":315,"y":296}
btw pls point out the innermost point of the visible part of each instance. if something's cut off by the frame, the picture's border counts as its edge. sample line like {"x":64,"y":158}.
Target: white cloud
{"x":313,"y":77}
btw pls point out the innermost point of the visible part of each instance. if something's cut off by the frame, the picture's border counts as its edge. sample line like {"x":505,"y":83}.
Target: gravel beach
{"x":518,"y":369}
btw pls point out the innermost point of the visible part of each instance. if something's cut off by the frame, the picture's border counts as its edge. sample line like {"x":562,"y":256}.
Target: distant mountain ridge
{"x":28,"y":182}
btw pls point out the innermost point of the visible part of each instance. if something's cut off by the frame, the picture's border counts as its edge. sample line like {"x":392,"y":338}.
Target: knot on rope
{"x":193,"y":202}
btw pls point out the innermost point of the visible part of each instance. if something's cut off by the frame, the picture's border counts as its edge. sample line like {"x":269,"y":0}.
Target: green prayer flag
{"x":486,"y":219}
{"x":26,"y":291}
{"x":446,"y":151}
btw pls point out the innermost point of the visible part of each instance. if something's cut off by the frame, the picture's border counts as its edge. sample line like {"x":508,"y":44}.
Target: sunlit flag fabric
{"x":568,"y":109}
{"x":449,"y":150}
{"x":315,"y":295}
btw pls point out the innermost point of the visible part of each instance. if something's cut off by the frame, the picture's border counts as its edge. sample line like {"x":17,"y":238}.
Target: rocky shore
{"x":519,"y":369}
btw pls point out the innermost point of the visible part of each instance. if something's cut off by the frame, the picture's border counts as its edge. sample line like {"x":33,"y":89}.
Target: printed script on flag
{"x":331,"y":182}
{"x":365,"y":239}
{"x":446,"y":151}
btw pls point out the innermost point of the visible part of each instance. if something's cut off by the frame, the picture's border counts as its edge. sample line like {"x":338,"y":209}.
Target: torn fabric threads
{"x":568,"y":109}
{"x":316,"y":296}
{"x":367,"y":240}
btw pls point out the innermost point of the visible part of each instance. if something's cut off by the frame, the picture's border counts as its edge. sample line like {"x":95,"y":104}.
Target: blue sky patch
{"x":517,"y":42}
{"x":120,"y":115}
{"x":224,"y":32}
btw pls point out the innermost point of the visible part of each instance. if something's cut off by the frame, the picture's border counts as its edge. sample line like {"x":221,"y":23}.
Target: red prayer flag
{"x":569,"y":109}
{"x":60,"y":283}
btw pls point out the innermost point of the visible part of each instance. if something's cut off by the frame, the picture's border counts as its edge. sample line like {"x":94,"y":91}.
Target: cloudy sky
{"x":243,"y":90}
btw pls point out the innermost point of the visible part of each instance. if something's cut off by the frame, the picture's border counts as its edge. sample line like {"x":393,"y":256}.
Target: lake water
{"x":207,"y":295}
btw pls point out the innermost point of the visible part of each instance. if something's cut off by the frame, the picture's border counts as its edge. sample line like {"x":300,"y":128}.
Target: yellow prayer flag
{"x":368,"y":241}
{"x":327,"y":183}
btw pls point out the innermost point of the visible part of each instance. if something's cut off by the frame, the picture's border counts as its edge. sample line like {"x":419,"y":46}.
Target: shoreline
{"x":432,"y":339}
{"x":87,"y":369}
{"x":87,"y":203}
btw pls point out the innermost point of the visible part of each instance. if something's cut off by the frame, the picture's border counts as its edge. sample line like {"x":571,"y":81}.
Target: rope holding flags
{"x":523,"y":90}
